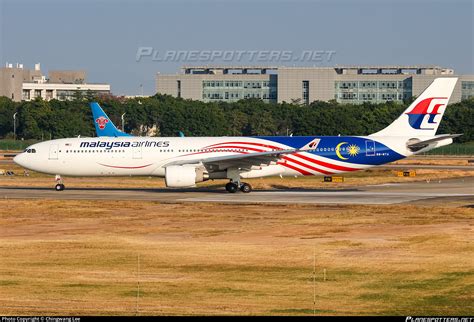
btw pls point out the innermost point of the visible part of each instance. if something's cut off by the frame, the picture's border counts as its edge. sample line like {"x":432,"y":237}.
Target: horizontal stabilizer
{"x":416,"y":145}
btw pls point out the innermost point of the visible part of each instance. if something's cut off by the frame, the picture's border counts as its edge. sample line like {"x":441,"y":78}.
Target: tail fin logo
{"x":102,"y":122}
{"x":417,"y":114}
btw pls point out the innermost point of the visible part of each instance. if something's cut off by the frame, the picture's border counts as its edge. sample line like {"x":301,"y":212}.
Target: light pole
{"x":14,"y":125}
{"x":123,"y":122}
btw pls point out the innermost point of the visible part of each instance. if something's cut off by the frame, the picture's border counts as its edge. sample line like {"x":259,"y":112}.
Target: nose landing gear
{"x":59,"y":183}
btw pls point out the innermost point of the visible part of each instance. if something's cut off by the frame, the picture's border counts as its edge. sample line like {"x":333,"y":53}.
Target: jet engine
{"x":180,"y":176}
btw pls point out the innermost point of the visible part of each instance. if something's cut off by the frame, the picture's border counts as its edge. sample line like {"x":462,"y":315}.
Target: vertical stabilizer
{"x":423,"y":116}
{"x":103,"y":124}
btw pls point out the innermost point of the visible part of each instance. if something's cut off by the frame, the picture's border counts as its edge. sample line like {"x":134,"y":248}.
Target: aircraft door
{"x":53,"y":152}
{"x":137,"y":152}
{"x":370,"y":148}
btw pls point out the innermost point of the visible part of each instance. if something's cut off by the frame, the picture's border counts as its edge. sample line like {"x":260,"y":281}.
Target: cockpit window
{"x":30,"y":151}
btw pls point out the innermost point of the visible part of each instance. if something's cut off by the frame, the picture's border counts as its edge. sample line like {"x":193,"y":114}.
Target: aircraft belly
{"x":265,"y":171}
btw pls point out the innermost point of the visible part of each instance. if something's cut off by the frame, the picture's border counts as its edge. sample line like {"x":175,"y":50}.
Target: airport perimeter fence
{"x":455,"y":149}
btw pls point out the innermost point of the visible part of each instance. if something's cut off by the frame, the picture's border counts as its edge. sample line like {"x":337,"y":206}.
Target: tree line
{"x":163,"y":115}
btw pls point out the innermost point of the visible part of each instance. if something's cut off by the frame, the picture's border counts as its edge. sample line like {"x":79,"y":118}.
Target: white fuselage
{"x":148,"y":156}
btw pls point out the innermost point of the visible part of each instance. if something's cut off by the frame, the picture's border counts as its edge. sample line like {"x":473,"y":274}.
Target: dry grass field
{"x":80,"y":257}
{"x":434,"y":161}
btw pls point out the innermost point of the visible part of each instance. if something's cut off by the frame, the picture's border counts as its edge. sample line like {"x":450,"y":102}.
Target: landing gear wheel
{"x":231,"y":187}
{"x":245,"y":188}
{"x":59,"y":183}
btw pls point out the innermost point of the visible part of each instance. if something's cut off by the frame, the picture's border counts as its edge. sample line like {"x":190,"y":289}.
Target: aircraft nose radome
{"x":20,"y":159}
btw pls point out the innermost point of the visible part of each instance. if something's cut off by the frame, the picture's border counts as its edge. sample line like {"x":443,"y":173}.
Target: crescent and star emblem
{"x":352,"y":150}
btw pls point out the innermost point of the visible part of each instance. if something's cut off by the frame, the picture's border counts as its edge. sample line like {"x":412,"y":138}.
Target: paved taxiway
{"x":425,"y":192}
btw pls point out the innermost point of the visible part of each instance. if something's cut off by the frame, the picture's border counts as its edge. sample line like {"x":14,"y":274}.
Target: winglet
{"x":103,"y":124}
{"x":312,"y":145}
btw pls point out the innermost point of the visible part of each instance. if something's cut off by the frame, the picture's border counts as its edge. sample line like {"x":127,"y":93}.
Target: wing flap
{"x":245,"y":161}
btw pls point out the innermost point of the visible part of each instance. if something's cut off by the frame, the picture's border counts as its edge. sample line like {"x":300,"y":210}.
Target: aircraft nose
{"x":20,"y":159}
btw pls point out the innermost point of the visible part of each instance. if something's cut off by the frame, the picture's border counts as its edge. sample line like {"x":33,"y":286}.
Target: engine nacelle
{"x":179,"y":176}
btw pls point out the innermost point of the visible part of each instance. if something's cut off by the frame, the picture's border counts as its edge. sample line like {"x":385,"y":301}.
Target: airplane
{"x":103,"y":124}
{"x":101,"y":119}
{"x":186,"y":161}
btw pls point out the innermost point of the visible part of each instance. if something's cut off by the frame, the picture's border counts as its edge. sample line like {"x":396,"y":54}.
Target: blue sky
{"x":103,"y":37}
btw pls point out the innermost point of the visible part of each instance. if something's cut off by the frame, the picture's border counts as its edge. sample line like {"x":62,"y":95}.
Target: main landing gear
{"x":233,"y":187}
{"x":59,"y":183}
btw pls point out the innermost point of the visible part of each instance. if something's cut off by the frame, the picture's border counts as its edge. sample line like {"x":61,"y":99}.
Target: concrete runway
{"x":434,"y":192}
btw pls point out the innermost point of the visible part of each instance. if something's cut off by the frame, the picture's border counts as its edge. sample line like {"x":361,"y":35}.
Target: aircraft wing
{"x":241,"y":161}
{"x":425,"y":143}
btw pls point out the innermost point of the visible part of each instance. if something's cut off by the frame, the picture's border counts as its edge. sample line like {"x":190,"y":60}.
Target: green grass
{"x":301,"y":311}
{"x":7,"y":144}
{"x":8,"y":283}
{"x":454,"y":149}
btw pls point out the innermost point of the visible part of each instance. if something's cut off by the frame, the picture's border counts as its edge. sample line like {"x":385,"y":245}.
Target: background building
{"x":350,"y":84}
{"x":18,"y":83}
{"x":221,"y":83}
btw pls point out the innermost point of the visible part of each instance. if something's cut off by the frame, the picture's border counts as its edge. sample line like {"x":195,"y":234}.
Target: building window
{"x":467,"y":90}
{"x":232,"y":91}
{"x":179,"y":88}
{"x":306,"y":92}
{"x":374,"y":91}
{"x":49,"y":94}
{"x":26,"y":95}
